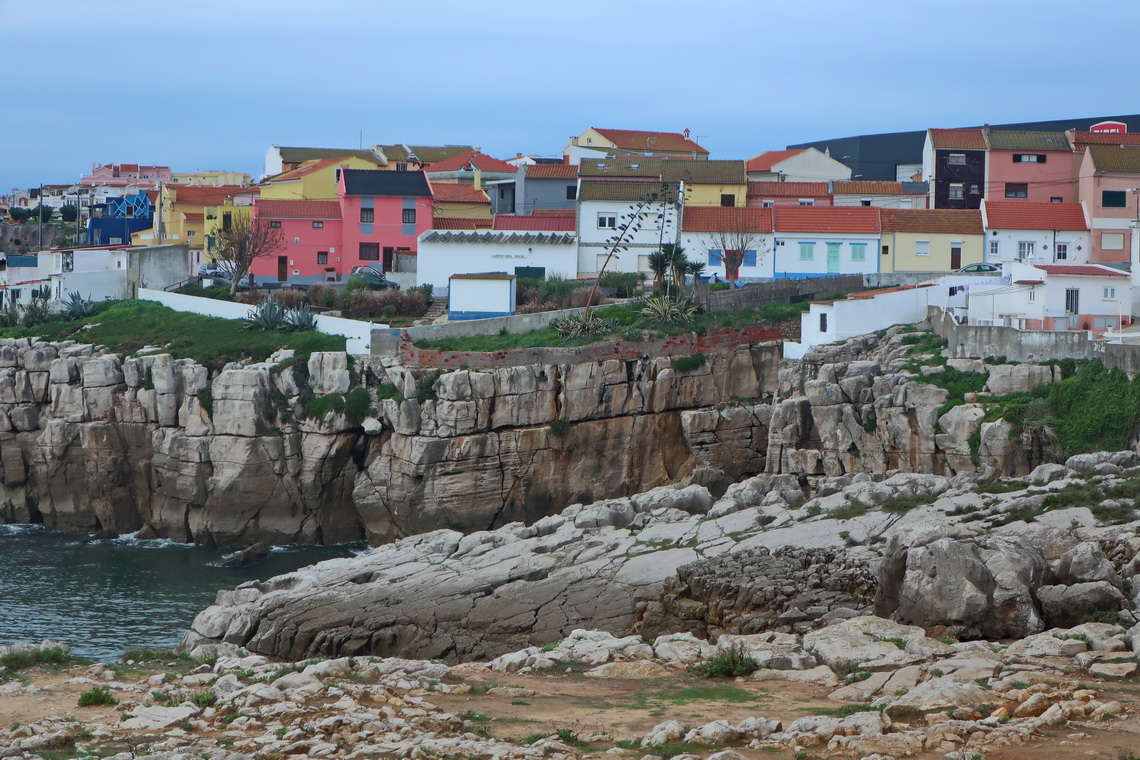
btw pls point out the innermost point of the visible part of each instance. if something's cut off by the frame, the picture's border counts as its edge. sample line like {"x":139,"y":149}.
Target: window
{"x":1032,"y":295}
{"x":886,"y":250}
{"x":957,"y":191}
{"x":727,"y":199}
{"x":973,"y":189}
{"x":322,"y":258}
{"x":228,"y":220}
{"x":607,"y":221}
{"x":318,"y":225}
{"x":714,"y":258}
{"x":1113,"y":199}
{"x":823,"y":322}
{"x":1112,"y":241}
{"x":409,"y":216}
{"x":956,"y":158}
{"x":401,"y":167}
{"x":767,"y":204}
{"x":369,"y":251}
{"x":1073,"y":300}
{"x":1109,"y":293}
{"x":191,"y":233}
{"x":807,"y":251}
{"x":865,"y":202}
{"x":1061,"y":250}
{"x":338,"y":176}
{"x":367,"y":215}
{"x":1029,"y":158}
{"x":275,"y":225}
{"x":922,"y":247}
{"x":1024,"y":249}
{"x":749,"y":259}
{"x":1016,"y":189}
{"x":995,"y":249}
{"x":858,"y":251}
{"x":571,"y":192}
{"x":1055,"y":199}
{"x":807,"y":201}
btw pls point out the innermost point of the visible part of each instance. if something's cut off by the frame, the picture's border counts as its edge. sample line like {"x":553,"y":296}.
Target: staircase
{"x":437,"y":309}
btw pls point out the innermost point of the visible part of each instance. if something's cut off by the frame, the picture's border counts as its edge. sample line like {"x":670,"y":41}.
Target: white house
{"x":1089,"y":297}
{"x":859,"y":314}
{"x":481,"y":296}
{"x":881,"y":193}
{"x":796,"y":165}
{"x":443,"y":254}
{"x":1032,"y":232}
{"x":643,"y":214}
{"x":707,"y":231}
{"x":812,"y":241}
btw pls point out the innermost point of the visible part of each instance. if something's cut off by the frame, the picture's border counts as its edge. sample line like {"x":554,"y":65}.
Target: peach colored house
{"x":1109,"y":180}
{"x":1030,"y":166}
{"x":766,"y":194}
{"x":312,"y":232}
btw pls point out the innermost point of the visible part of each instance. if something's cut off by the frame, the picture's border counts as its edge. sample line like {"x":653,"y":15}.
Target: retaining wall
{"x":387,"y":341}
{"x":781,"y":291}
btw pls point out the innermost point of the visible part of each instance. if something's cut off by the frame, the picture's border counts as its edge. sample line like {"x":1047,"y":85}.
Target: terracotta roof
{"x":726,"y":219}
{"x":1028,"y":282}
{"x":453,"y":192}
{"x":825,"y":219}
{"x":483,"y":276}
{"x":1021,"y":140}
{"x":932,"y":221}
{"x":271,"y":209}
{"x":1080,"y":270}
{"x":1024,"y":215}
{"x":455,"y":223}
{"x":668,"y":169}
{"x":427,"y":154}
{"x":152,"y":194}
{"x":788,"y":190}
{"x":633,"y":139}
{"x":202,"y":195}
{"x":546,"y":223}
{"x":470,"y":161}
{"x":1081,"y":139}
{"x":554,"y":212}
{"x":1115,"y":159}
{"x":307,"y":167}
{"x":960,"y":139}
{"x":193,"y":217}
{"x":769,"y":158}
{"x":867,"y":187}
{"x":616,"y":190}
{"x":551,"y":171}
{"x":128,"y":167}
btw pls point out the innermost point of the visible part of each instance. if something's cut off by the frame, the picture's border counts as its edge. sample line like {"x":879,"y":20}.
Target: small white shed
{"x":480,"y":296}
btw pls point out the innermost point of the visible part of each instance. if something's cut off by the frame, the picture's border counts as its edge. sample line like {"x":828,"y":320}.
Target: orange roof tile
{"x":308,"y":167}
{"x":273,"y":209}
{"x":550,"y":223}
{"x":634,"y":139}
{"x":554,"y":212}
{"x":824,"y":219}
{"x":552,"y":171}
{"x":1081,"y":139}
{"x":868,"y":187}
{"x":788,"y":190}
{"x":202,"y":195}
{"x":470,"y":161}
{"x":769,"y":158}
{"x":726,"y":219}
{"x":960,"y":139}
{"x":933,"y":221}
{"x":193,"y":217}
{"x":1079,"y":270}
{"x":1025,"y":215}
{"x":456,"y":223}
{"x":454,"y":192}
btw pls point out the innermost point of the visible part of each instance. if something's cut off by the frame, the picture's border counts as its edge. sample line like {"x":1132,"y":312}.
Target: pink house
{"x":1029,"y":166}
{"x":383,"y":214}
{"x":312,"y":232}
{"x":122,"y":175}
{"x":765,"y":194}
{"x":1109,"y":184}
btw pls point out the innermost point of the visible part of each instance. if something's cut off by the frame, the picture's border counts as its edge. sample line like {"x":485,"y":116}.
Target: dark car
{"x":980,"y":269}
{"x":374,"y":278}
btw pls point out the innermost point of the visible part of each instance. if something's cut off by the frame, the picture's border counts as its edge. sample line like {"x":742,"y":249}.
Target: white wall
{"x":787,"y":256}
{"x":438,"y":261}
{"x":482,"y":296}
{"x":882,"y":201}
{"x":358,"y":333}
{"x":857,"y":316}
{"x":812,"y":165}
{"x":94,"y":286}
{"x":1044,"y":242}
{"x":593,"y":244}
{"x":697,"y":246}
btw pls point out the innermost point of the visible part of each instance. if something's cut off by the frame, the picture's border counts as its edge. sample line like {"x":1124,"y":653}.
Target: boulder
{"x":1086,"y":563}
{"x":1066,"y":606}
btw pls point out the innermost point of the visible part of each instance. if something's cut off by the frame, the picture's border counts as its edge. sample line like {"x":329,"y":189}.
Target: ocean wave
{"x":20,"y":529}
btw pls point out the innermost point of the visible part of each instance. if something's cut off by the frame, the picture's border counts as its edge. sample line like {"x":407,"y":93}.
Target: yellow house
{"x":930,"y":240}
{"x":455,"y":201}
{"x":597,"y":141}
{"x":180,"y":214}
{"x":210,"y":177}
{"x":314,"y":180}
{"x":706,"y":183}
{"x":221,"y":217}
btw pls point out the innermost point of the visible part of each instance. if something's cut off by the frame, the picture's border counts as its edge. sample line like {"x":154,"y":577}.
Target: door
{"x":282,"y":268}
{"x":1073,"y":307}
{"x":833,"y":258}
{"x":955,"y":258}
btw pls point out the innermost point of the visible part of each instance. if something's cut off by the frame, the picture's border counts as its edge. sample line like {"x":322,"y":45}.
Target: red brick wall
{"x":677,"y":345}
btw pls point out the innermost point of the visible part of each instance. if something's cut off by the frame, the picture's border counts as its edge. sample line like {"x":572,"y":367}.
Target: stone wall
{"x":782,"y":291}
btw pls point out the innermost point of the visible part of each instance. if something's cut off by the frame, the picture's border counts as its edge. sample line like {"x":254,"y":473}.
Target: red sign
{"x":1114,"y":127}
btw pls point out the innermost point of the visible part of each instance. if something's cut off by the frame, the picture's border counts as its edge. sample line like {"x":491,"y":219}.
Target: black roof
{"x":375,"y":182}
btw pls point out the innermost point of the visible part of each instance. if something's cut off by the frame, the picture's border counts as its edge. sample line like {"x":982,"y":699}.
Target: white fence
{"x":358,"y":333}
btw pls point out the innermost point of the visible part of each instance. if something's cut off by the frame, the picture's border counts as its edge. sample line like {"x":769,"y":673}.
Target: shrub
{"x":668,"y":310}
{"x":322,"y":296}
{"x":581,"y":325}
{"x":559,"y":427}
{"x":301,"y":318}
{"x":730,"y":663}
{"x":289,"y":298}
{"x":251,"y":297}
{"x":206,"y":399}
{"x":581,"y":297}
{"x":203,"y":699}
{"x":688,"y":363}
{"x":318,"y":407}
{"x":358,"y":405}
{"x":267,"y":315}
{"x":624,"y":284}
{"x":77,"y":307}
{"x":33,"y":657}
{"x":100,"y":695}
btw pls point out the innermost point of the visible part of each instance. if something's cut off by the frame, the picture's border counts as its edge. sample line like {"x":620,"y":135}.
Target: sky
{"x":211,"y":85}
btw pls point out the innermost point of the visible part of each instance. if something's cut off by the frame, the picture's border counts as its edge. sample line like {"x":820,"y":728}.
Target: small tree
{"x":19,"y":213}
{"x":245,"y":241}
{"x":69,"y":213}
{"x":42,"y":213}
{"x":737,"y":237}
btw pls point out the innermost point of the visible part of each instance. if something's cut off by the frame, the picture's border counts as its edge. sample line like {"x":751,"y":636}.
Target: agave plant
{"x":267,"y":315}
{"x":580,"y":326}
{"x":77,"y":307}
{"x":301,"y":318}
{"x":668,"y":310}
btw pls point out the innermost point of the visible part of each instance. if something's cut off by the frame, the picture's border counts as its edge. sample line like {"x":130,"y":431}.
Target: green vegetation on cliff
{"x":127,"y":326}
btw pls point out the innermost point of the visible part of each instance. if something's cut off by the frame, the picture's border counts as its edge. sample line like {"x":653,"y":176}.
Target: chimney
{"x":686,"y":133}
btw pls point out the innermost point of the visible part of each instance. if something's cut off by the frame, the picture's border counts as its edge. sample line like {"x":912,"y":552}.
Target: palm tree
{"x":695,"y":269}
{"x":659,"y":265}
{"x":675,"y":256}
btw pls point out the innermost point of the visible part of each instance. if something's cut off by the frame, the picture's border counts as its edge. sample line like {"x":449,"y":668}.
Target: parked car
{"x":980,"y":269}
{"x":374,"y":277}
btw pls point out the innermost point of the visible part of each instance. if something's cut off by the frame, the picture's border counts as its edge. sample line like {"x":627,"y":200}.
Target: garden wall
{"x":781,"y":291}
{"x":387,"y":341}
{"x":677,"y":345}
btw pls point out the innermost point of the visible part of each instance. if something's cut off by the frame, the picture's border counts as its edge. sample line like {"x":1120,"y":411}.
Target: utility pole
{"x":40,"y":215}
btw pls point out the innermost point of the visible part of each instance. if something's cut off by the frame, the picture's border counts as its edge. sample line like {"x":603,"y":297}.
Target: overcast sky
{"x":211,"y":85}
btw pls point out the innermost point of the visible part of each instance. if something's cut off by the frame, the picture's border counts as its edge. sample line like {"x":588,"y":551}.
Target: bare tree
{"x":736,"y":237}
{"x":245,"y":241}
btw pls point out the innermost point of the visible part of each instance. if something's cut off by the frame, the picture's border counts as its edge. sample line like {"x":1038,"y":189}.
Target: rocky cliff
{"x":290,"y":451}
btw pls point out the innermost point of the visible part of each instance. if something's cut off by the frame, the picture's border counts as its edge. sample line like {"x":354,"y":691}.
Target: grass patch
{"x":900,"y":505}
{"x":855,"y":509}
{"x":995,"y":486}
{"x":688,"y":363}
{"x":100,"y":695}
{"x":126,"y":326}
{"x":731,"y":663}
{"x":673,"y":749}
{"x":845,"y":710}
{"x":17,"y":661}
{"x":318,"y":407}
